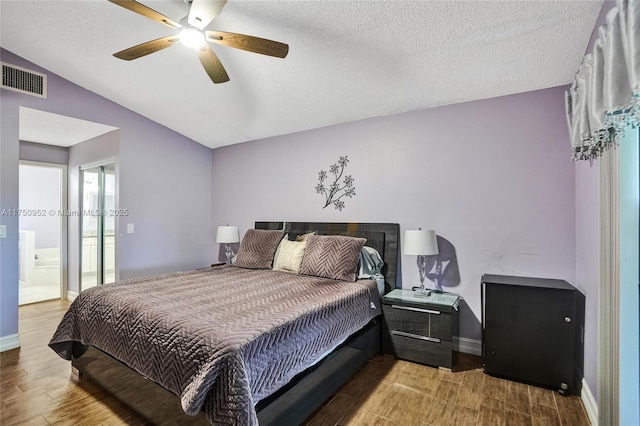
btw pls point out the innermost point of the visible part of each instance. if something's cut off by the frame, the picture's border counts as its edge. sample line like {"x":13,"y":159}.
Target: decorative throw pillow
{"x":303,"y":237}
{"x":257,"y":248}
{"x":289,"y":255}
{"x":370,"y":263}
{"x":332,"y":256}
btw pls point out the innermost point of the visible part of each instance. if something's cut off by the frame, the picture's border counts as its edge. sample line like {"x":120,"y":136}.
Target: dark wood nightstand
{"x":213,"y":265}
{"x":420,"y":329}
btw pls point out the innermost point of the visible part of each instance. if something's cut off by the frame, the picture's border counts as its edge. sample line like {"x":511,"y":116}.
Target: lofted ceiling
{"x":55,"y":129}
{"x":348,"y":60}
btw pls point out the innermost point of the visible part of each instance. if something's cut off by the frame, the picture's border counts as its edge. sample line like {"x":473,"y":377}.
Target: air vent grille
{"x":23,"y":80}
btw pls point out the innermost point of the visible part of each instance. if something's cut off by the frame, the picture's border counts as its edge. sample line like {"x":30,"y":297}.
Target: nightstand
{"x":420,"y":329}
{"x":213,"y":265}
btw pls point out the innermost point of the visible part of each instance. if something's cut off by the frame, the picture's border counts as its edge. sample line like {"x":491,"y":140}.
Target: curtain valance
{"x":605,"y":96}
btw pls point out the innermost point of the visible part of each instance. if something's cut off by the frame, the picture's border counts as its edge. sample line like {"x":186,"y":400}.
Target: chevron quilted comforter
{"x":220,"y":338}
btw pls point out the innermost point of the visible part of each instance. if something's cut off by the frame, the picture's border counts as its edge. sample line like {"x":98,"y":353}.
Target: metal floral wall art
{"x":337,"y":190}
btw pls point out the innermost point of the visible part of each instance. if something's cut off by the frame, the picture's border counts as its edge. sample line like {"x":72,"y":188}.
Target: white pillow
{"x":288,"y":257}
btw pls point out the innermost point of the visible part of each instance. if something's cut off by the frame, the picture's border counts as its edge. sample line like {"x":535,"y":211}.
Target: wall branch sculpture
{"x":335,"y":192}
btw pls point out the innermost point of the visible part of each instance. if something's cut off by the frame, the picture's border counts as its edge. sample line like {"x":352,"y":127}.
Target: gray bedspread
{"x":222,"y":338}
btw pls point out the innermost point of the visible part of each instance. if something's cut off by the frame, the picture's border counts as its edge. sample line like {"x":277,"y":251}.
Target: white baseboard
{"x":71,"y":295}
{"x":9,"y":342}
{"x":590,"y":403}
{"x":467,"y":346}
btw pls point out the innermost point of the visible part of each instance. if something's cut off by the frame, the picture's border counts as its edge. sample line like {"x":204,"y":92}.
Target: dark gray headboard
{"x":383,"y":237}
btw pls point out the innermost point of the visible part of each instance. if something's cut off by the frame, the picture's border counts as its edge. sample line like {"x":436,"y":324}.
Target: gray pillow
{"x":257,"y":248}
{"x":370,"y":263}
{"x":332,"y":256}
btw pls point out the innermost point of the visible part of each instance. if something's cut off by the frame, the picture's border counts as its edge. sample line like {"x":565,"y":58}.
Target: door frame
{"x":618,"y":323}
{"x":64,"y":285}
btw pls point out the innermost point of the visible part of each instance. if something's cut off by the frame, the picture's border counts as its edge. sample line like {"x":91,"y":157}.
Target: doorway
{"x":42,"y":232}
{"x":97,"y":255}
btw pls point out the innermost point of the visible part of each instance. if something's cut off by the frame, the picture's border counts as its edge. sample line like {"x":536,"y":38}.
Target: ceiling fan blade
{"x":143,"y":10}
{"x":147,"y":48}
{"x":203,"y":11}
{"x":212,"y":65}
{"x":249,"y":43}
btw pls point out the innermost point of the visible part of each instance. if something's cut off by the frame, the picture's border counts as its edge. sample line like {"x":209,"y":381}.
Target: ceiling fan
{"x":192,"y":33}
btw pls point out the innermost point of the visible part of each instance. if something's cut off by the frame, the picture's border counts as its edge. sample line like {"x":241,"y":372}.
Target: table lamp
{"x":227,"y":235}
{"x":421,"y":243}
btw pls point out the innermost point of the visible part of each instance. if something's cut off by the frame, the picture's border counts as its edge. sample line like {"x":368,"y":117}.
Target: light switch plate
{"x":3,"y":231}
{"x":130,"y":228}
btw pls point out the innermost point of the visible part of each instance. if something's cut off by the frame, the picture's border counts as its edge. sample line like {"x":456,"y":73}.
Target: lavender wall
{"x":8,"y":201}
{"x":588,"y":263}
{"x":492,"y":177}
{"x":31,"y":151}
{"x":165,"y":181}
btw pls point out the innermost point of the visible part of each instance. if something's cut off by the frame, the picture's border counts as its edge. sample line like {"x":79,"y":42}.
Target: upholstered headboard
{"x":384,"y":237}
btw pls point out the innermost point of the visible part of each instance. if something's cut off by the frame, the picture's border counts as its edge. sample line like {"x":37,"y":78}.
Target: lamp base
{"x":229,"y":254}
{"x":421,"y":292}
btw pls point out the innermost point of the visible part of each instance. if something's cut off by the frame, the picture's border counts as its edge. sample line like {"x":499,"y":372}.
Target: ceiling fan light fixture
{"x":191,"y":31}
{"x":192,"y":37}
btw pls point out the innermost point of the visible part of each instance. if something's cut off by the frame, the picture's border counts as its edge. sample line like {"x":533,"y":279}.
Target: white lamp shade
{"x":420,"y":242}
{"x":227,"y":234}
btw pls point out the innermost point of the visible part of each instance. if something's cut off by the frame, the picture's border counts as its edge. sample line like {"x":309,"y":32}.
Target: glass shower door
{"x":98,"y":226}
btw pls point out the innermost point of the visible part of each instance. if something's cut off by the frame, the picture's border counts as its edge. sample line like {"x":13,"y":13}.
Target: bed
{"x":237,"y":344}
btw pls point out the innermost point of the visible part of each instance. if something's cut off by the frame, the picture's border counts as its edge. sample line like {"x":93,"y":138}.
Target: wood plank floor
{"x":395,"y":392}
{"x":38,"y":388}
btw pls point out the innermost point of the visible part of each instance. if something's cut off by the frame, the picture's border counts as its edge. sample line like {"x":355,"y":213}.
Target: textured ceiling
{"x":54,"y":129}
{"x":348,"y":60}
